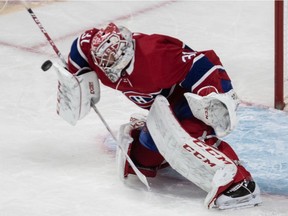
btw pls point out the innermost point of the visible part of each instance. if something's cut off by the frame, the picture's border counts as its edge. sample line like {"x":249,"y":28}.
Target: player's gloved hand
{"x":216,"y":110}
{"x":76,"y":93}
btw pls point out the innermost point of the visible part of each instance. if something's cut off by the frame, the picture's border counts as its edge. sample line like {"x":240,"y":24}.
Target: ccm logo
{"x":213,"y":152}
{"x":91,"y":87}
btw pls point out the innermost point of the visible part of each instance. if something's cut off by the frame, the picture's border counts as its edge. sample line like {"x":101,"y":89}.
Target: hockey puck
{"x":46,"y":65}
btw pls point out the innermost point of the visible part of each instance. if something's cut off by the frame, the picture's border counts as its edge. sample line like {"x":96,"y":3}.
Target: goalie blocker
{"x":228,"y":183}
{"x":76,"y":93}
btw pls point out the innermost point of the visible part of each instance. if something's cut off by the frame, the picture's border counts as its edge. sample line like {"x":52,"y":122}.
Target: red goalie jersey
{"x":161,"y":65}
{"x":143,"y":66}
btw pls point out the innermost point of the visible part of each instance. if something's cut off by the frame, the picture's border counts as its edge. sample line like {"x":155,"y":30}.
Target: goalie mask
{"x":112,"y":50}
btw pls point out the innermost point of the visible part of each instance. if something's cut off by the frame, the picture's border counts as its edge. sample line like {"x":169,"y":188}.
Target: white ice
{"x":48,"y":167}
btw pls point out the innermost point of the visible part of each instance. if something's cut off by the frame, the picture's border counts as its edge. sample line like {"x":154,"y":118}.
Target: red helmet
{"x":112,"y":50}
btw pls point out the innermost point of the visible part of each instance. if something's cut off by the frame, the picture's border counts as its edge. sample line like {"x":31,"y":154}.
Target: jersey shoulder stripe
{"x":76,"y":55}
{"x":201,"y":68}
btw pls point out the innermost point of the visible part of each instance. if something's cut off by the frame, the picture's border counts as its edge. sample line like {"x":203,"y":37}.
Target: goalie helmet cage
{"x":281,"y":71}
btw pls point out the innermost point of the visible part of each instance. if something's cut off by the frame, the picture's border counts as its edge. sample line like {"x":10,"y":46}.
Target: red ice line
{"x":34,"y":49}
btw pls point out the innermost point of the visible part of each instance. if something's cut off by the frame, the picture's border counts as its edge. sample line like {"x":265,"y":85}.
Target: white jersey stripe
{"x":206,"y":75}
{"x":80,"y":51}
{"x":74,"y":63}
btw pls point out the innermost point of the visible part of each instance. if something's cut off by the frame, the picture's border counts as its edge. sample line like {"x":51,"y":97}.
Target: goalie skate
{"x":243,"y":195}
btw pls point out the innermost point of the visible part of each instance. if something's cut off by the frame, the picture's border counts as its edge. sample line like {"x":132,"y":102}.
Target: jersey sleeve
{"x":192,"y":70}
{"x":80,"y":49}
{"x":207,"y":71}
{"x":163,"y":57}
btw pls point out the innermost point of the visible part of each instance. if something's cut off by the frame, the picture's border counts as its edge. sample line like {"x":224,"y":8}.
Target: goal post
{"x":280,"y":51}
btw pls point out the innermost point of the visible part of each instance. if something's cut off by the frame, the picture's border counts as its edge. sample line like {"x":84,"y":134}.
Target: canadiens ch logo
{"x":144,"y":100}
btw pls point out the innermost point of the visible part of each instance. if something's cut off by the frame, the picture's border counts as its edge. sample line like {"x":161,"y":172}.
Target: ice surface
{"x":260,"y":140}
{"x":48,"y":167}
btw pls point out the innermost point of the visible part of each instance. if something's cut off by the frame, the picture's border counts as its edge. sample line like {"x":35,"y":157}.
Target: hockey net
{"x":286,"y":51}
{"x":281,"y":46}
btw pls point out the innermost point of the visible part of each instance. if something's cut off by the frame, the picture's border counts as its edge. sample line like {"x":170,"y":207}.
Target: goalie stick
{"x":47,"y":65}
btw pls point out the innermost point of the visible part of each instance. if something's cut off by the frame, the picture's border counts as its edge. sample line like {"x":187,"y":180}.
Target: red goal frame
{"x":279,"y":55}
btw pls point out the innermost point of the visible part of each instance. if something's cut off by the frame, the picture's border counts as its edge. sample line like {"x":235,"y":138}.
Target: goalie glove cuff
{"x":90,"y":91}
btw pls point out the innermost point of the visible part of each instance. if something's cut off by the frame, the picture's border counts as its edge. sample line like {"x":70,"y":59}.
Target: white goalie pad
{"x":75,"y":94}
{"x":215,"y":110}
{"x":200,"y":163}
{"x":124,"y":142}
